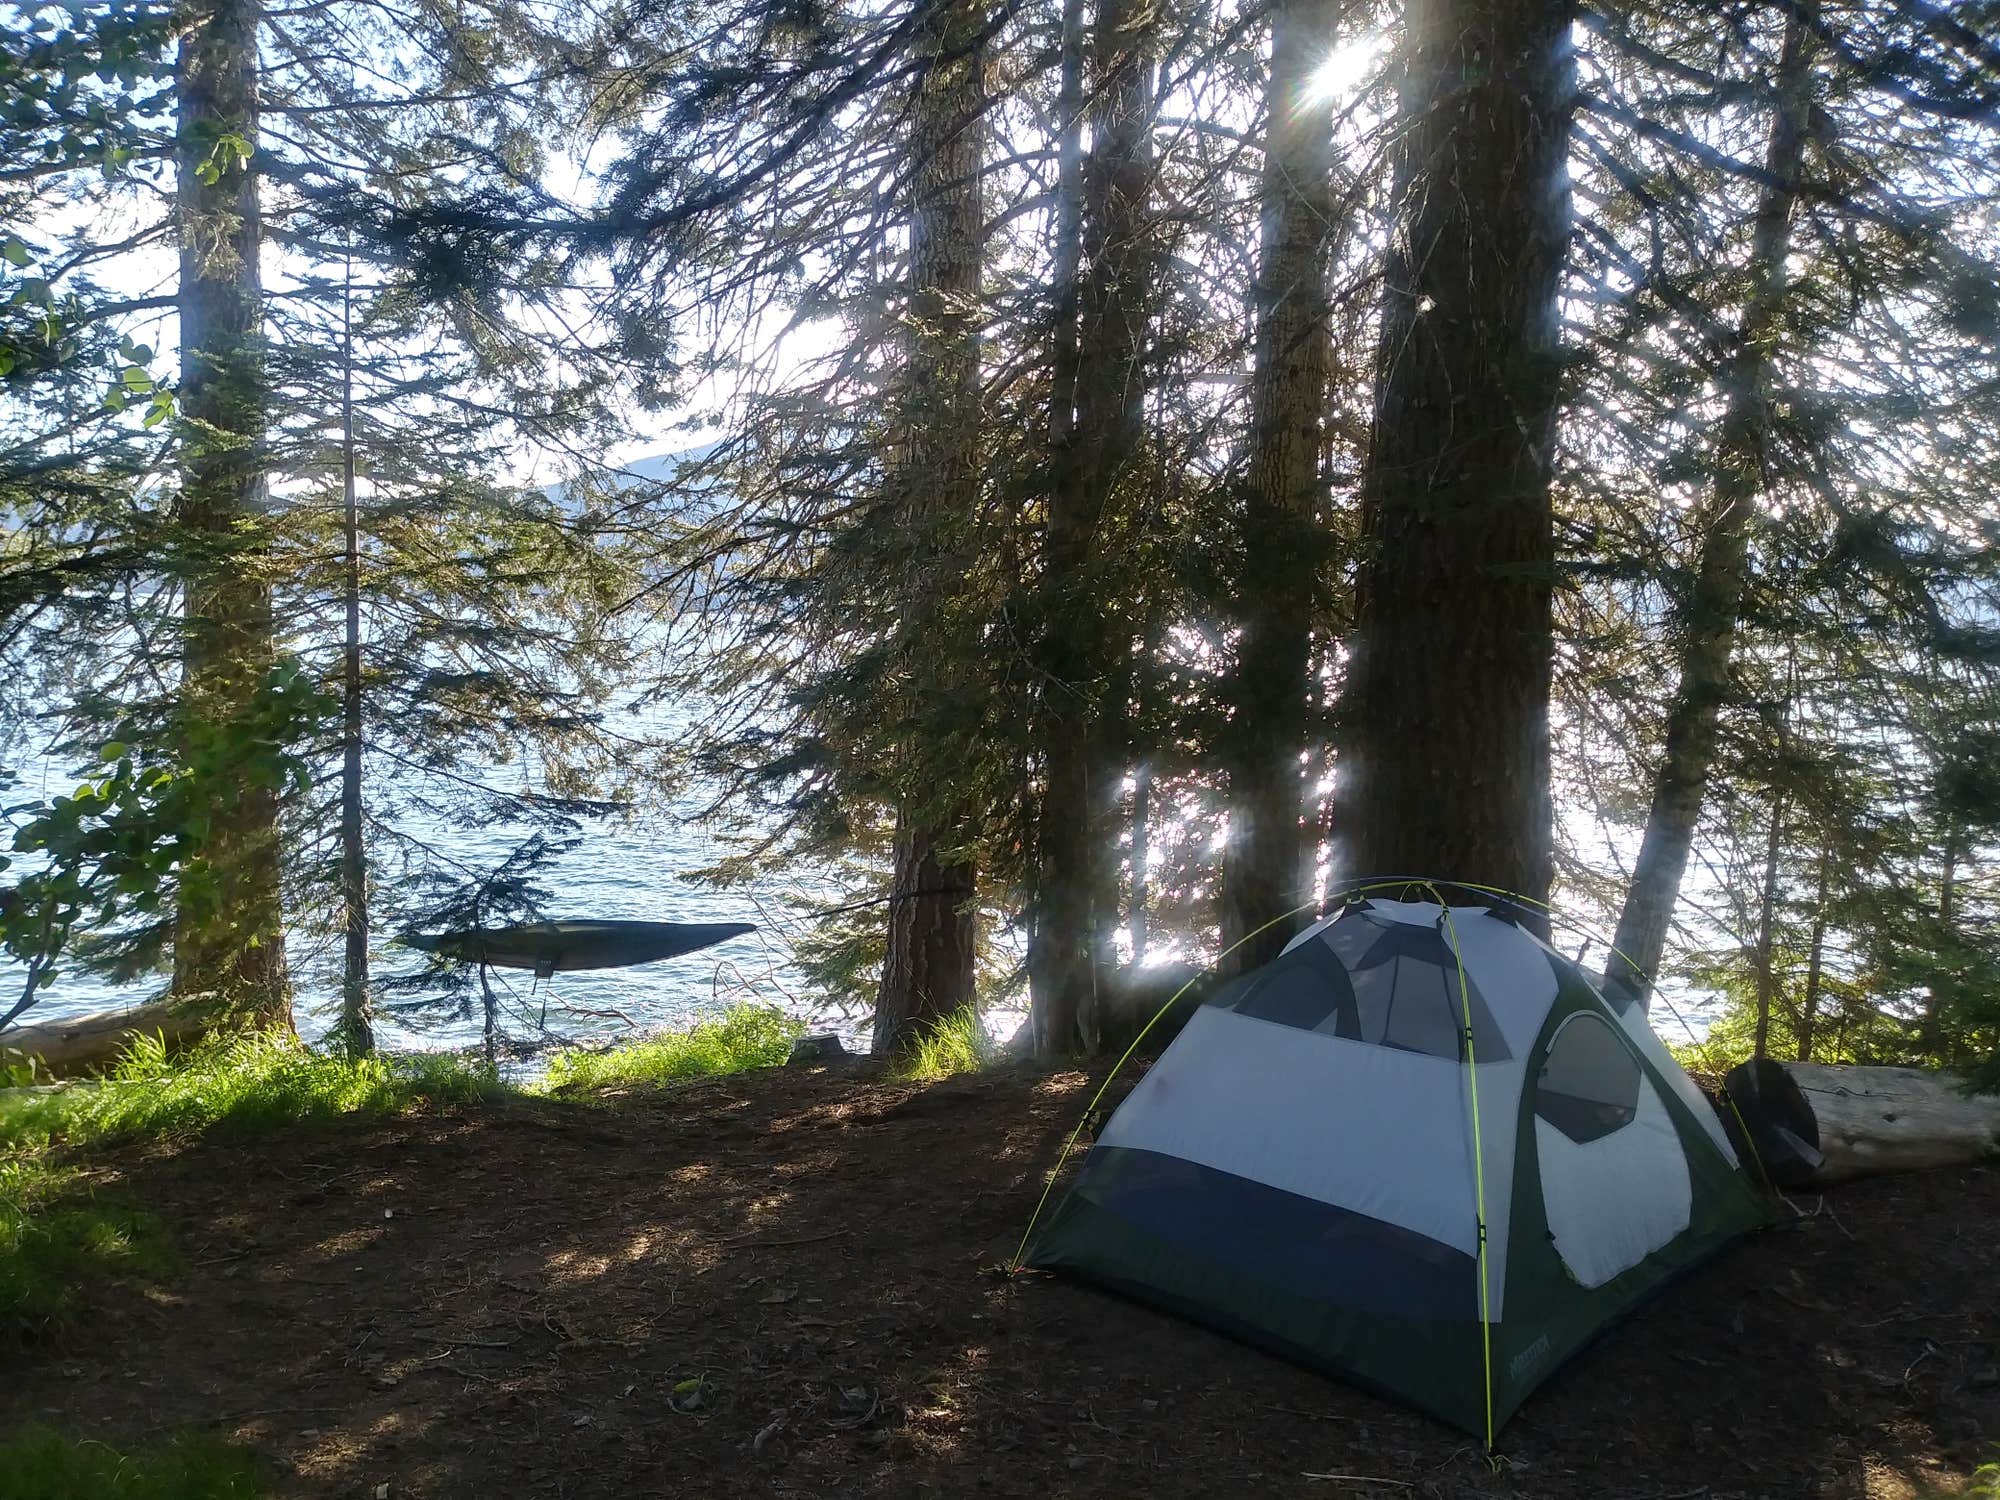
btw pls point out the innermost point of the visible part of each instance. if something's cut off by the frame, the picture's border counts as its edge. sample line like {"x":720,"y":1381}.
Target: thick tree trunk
{"x":1445,"y":717}
{"x":933,"y":942}
{"x":1709,"y":618}
{"x":1814,"y":1124}
{"x":356,"y":1019}
{"x":229,"y":931}
{"x":1076,"y":888}
{"x":1283,"y":544}
{"x":932,"y":938}
{"x":1053,"y":1001}
{"x":1066,"y":251}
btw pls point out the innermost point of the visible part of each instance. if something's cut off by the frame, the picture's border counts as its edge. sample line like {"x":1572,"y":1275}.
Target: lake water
{"x":621,"y":869}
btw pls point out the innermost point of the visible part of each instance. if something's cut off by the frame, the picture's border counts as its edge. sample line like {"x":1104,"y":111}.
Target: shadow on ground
{"x":787,"y":1284}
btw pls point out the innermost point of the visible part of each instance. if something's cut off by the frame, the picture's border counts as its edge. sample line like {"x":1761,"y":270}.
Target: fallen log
{"x":1816,"y":1123}
{"x":78,"y":1044}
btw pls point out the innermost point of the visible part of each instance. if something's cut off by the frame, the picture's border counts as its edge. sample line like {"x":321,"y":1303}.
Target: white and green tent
{"x":1420,"y":1150}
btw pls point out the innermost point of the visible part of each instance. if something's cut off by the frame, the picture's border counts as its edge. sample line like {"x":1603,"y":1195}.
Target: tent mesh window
{"x":1589,"y":1084}
{"x":1368,"y":979}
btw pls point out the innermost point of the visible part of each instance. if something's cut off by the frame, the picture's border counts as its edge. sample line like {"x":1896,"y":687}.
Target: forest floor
{"x":788,"y":1283}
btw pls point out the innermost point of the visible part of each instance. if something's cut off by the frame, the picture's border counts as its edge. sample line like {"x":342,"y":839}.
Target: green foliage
{"x":1846,"y":1027}
{"x":956,"y":1044}
{"x":54,"y":1237}
{"x":117,"y":848}
{"x":247,"y":1081}
{"x":42,"y":1464}
{"x":742,"y":1038}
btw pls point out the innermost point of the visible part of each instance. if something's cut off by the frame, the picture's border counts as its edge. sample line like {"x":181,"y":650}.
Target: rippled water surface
{"x":622,"y":868}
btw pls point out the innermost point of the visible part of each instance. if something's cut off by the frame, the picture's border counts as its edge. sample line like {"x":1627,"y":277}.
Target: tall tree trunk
{"x":1445,"y":714}
{"x":1137,"y":920}
{"x":932,"y":937}
{"x":1767,"y":979}
{"x":1052,"y":1006}
{"x":1809,"y":1006}
{"x":933,"y":947}
{"x":1708,"y":624}
{"x":1930,"y":1032}
{"x":1066,"y":253}
{"x":1076,"y":890}
{"x":1283,"y":545}
{"x":229,"y":930}
{"x":356,"y":1019}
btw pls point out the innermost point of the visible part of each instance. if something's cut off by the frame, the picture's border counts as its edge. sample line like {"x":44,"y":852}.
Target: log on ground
{"x":1817,"y":1123}
{"x":79,"y":1044}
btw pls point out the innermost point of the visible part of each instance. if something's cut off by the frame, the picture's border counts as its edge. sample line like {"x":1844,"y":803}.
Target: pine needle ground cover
{"x":787,"y":1281}
{"x":61,"y":1233}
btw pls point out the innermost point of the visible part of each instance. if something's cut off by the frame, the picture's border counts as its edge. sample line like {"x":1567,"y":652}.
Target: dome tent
{"x":1419,"y":1150}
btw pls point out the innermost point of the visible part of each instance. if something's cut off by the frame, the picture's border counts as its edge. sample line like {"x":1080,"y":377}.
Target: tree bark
{"x":229,"y":928}
{"x":1283,"y":546}
{"x":1053,"y":1002}
{"x":933,"y":942}
{"x":1076,"y":889}
{"x":356,"y":1018}
{"x":1709,"y":621}
{"x":1809,"y":1005}
{"x":1445,"y":714}
{"x":1137,"y":920}
{"x":1853,"y":1122}
{"x":932,"y":936}
{"x":1767,"y":979}
{"x":1930,"y":1033}
{"x":85,"y":1044}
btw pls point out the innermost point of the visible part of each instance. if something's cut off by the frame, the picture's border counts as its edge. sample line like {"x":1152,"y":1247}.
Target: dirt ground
{"x":788,"y":1284}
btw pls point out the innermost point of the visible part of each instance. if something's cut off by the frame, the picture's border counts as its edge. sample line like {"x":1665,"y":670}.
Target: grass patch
{"x":40,"y":1464}
{"x":254,"y":1081}
{"x":744,"y":1037}
{"x":956,"y":1043}
{"x":55,"y":1238}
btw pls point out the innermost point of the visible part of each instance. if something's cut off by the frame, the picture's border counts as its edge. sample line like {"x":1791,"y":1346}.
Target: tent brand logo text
{"x":1529,"y":1357}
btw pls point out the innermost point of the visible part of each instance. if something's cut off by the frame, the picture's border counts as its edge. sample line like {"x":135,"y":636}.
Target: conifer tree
{"x":229,"y":926}
{"x":1081,"y":654}
{"x":1284,"y":525}
{"x":928,"y":964}
{"x":1445,"y":756}
{"x":487,"y":605}
{"x":1739,"y":464}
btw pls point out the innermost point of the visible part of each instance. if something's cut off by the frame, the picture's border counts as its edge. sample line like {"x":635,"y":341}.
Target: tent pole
{"x":1478,"y":1161}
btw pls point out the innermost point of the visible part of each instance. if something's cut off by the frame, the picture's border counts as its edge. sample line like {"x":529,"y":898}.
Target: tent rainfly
{"x":1419,"y":1150}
